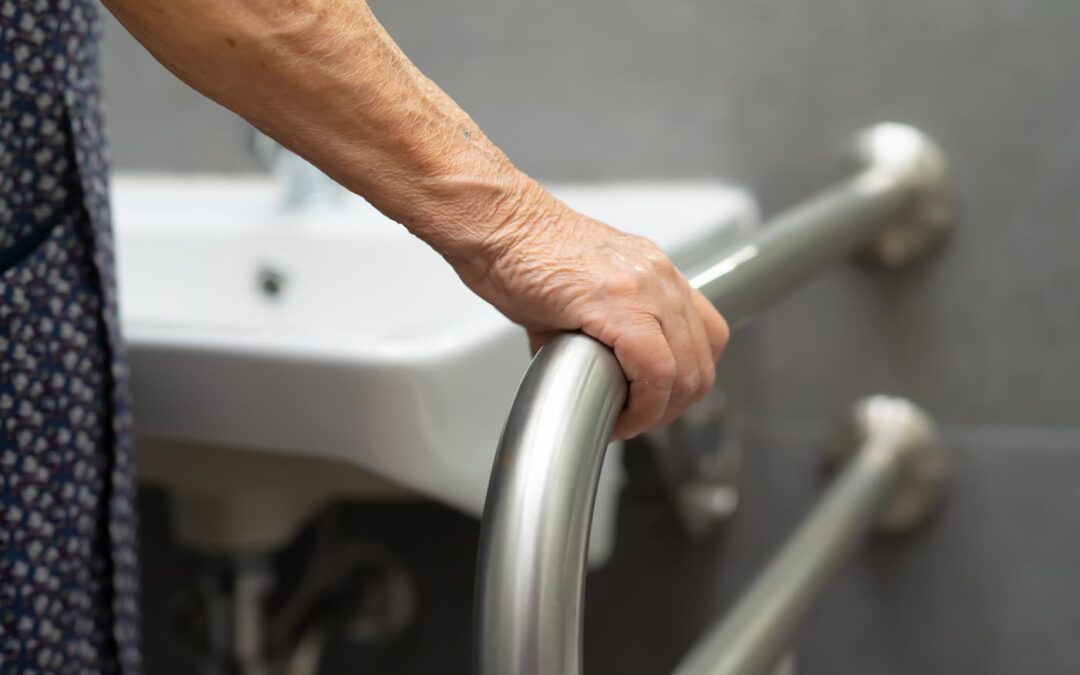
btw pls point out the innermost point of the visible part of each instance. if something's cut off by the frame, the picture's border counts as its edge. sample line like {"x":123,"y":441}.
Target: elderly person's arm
{"x":325,"y":80}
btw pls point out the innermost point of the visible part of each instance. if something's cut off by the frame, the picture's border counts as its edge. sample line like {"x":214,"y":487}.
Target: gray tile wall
{"x":764,"y":93}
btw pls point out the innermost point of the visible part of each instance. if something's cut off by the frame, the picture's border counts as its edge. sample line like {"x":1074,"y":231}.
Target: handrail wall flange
{"x":901,"y":153}
{"x":892,"y":474}
{"x":922,"y":457}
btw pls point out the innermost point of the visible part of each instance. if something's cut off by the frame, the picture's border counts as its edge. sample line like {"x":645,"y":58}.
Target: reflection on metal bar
{"x":539,"y":504}
{"x":894,"y":478}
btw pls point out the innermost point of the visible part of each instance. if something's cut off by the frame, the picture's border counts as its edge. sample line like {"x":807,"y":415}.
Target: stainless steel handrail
{"x":896,"y":466}
{"x":544,"y":479}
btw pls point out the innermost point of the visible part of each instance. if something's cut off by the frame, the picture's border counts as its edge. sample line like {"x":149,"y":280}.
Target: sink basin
{"x":329,"y":333}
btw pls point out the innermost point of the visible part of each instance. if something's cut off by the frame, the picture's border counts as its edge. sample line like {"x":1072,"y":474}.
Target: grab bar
{"x":538,"y":510}
{"x":896,"y":467}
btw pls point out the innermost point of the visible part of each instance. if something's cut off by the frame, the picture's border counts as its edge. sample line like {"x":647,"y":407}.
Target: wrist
{"x":473,"y":220}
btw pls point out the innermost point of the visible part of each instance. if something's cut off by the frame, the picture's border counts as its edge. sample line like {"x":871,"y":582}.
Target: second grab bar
{"x":893,"y":469}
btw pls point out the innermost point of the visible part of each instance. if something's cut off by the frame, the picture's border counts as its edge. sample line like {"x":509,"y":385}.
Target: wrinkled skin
{"x":556,"y":270}
{"x":324,"y":79}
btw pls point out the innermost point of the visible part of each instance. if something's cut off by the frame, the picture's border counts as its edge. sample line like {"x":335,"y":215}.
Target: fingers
{"x":685,"y":337}
{"x":675,"y":366}
{"x":694,"y":353}
{"x":623,"y":291}
{"x":716,"y":328}
{"x":651,"y":367}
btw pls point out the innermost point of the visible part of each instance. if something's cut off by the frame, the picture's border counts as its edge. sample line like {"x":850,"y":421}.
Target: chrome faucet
{"x":303,"y":185}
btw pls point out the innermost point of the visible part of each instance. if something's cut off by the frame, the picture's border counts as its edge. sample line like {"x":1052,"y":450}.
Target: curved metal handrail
{"x":536,"y":521}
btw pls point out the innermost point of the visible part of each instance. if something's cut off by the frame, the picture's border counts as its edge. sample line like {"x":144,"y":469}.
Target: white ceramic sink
{"x":332,"y":333}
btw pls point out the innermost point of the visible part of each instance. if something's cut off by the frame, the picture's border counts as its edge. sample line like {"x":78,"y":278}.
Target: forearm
{"x":324,"y":79}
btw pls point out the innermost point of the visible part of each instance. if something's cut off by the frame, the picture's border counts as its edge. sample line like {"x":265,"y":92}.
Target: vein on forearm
{"x":324,"y":79}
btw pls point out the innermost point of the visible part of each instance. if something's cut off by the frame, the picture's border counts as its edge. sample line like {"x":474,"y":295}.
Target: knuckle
{"x":708,"y":381}
{"x":627,"y":283}
{"x":657,"y":259}
{"x":641,"y":276}
{"x":663,"y":373}
{"x":688,"y":384}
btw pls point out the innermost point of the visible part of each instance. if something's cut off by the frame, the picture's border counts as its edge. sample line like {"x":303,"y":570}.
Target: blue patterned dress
{"x":68,"y":570}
